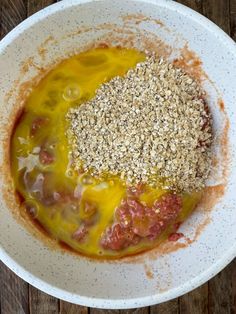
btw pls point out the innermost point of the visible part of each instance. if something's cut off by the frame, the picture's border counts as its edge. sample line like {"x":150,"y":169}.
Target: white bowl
{"x":163,"y":273}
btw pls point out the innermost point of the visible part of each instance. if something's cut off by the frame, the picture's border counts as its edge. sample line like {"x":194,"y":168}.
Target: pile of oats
{"x":152,"y":125}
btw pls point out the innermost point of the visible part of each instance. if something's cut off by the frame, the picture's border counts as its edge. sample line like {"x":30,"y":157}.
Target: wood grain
{"x":69,"y":308}
{"x":233,"y":19}
{"x":195,"y":302}
{"x":36,"y":5}
{"x":143,"y":310}
{"x":222,"y":291}
{"x":218,"y":12}
{"x":171,"y":307}
{"x":99,"y":311}
{"x":41,"y":303}
{"x":14,"y":292}
{"x":193,"y":4}
{"x":12,"y":13}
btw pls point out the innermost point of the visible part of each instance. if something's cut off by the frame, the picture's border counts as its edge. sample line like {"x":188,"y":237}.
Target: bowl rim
{"x":117,"y":303}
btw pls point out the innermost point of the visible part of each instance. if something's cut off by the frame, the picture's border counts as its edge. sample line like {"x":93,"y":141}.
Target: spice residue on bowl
{"x":112,"y":151}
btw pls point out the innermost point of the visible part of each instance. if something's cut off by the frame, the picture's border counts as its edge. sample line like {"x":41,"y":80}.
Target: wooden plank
{"x":36,"y":5}
{"x":195,"y":302}
{"x":12,"y":13}
{"x":171,"y":307}
{"x":69,"y":308}
{"x":218,"y":12}
{"x":14,"y":292}
{"x":1,"y":30}
{"x":193,"y":4}
{"x":41,"y":303}
{"x":143,"y":310}
{"x":99,"y":311}
{"x":222,"y":291}
{"x":233,"y":19}
{"x":233,"y":282}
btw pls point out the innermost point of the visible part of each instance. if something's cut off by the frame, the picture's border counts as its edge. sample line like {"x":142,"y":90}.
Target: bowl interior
{"x":71,"y":26}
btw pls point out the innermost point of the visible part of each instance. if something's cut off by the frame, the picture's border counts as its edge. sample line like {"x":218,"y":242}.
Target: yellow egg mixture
{"x":69,"y":84}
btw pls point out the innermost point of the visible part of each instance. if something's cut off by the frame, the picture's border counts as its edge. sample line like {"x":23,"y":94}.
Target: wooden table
{"x":218,"y":296}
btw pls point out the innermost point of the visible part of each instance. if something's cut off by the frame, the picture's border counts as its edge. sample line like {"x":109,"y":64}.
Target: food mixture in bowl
{"x":112,"y":151}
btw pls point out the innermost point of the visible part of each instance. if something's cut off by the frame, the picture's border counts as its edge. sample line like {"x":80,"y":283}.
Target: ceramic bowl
{"x":175,"y":32}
